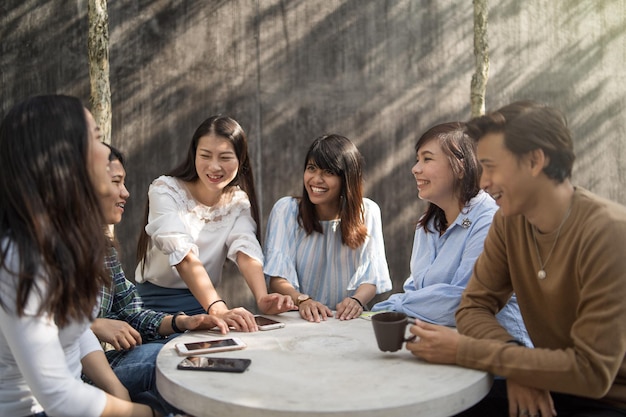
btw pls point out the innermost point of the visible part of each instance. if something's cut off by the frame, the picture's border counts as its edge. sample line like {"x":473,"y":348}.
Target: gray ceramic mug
{"x":390,"y":328}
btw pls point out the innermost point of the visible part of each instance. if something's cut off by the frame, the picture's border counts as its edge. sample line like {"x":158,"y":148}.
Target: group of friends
{"x":526,"y":266}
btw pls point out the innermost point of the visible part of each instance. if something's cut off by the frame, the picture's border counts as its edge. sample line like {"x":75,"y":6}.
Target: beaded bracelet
{"x":215,"y":302}
{"x":174,"y":326}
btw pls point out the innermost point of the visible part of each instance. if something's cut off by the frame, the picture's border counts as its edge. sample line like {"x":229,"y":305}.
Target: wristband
{"x":358,"y":301}
{"x":516,"y":342}
{"x":174,"y":326}
{"x":215,"y":302}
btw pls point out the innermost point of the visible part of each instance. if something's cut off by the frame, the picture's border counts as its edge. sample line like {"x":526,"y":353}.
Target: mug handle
{"x":412,"y":337}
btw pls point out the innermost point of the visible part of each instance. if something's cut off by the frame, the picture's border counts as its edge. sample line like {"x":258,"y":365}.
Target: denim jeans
{"x":136,"y":371}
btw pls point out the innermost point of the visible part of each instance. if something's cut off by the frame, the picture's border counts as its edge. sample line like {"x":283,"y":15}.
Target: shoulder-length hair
{"x":340,"y":156}
{"x":49,"y":211}
{"x":227,"y":128}
{"x":460,"y":150}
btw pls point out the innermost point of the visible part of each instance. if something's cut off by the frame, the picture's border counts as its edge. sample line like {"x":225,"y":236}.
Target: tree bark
{"x":98,"y":52}
{"x":481,"y":57}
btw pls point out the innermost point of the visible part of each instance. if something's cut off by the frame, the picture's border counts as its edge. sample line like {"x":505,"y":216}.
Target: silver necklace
{"x":541,"y":274}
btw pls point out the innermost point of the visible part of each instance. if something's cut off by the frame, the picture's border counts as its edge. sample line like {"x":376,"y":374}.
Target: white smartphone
{"x":265,"y":323}
{"x":210,"y":346}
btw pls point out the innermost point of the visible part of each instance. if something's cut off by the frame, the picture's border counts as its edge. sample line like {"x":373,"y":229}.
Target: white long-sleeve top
{"x":39,"y":362}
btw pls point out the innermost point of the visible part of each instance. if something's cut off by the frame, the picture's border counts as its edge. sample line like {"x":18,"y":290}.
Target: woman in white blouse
{"x":53,"y":169}
{"x":202,"y":212}
{"x":325,"y":249}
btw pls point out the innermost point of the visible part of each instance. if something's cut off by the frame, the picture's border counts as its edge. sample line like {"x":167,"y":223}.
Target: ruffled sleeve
{"x":168,"y":220}
{"x":242,"y":236}
{"x":280,"y":241}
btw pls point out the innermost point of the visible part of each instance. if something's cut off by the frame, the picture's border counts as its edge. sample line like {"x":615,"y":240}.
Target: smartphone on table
{"x":210,"y":346}
{"x":265,"y":323}
{"x":202,"y":363}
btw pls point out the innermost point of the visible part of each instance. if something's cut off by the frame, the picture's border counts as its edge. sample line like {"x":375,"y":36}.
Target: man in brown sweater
{"x":560,"y":248}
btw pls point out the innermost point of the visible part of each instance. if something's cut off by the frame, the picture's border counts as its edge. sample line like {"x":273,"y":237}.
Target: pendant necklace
{"x":541,"y":274}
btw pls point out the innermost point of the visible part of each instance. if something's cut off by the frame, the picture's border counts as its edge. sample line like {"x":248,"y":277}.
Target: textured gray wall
{"x":378,"y":72}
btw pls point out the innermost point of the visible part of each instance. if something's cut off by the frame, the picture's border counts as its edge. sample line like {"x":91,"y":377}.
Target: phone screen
{"x":264,"y":321}
{"x":200,"y":363}
{"x":211,"y":344}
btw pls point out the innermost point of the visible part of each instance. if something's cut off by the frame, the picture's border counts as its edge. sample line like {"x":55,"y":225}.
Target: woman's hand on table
{"x":434,"y":343}
{"x":275,"y":303}
{"x":349,"y":309}
{"x":238,"y":319}
{"x":314,"y":311}
{"x":201,"y":322}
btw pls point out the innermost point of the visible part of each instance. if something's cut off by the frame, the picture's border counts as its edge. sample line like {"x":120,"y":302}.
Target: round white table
{"x":333,"y":368}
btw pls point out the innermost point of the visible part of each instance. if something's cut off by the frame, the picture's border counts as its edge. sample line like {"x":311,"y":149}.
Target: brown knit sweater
{"x":576,"y":316}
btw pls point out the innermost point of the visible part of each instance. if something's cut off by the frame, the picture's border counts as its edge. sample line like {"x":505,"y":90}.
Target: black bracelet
{"x":358,"y":301}
{"x":215,"y":302}
{"x":516,"y":342}
{"x":174,"y":326}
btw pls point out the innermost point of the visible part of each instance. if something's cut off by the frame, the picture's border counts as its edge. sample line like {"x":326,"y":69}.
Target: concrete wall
{"x":378,"y":72}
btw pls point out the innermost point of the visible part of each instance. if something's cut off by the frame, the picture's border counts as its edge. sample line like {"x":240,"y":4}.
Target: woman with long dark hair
{"x":325,"y":249}
{"x":53,"y":170}
{"x":202,"y":212}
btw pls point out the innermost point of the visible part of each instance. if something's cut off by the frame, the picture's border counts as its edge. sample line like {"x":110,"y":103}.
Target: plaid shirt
{"x":122,"y":302}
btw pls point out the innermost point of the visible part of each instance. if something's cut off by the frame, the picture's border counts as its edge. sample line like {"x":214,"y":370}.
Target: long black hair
{"x":49,"y":210}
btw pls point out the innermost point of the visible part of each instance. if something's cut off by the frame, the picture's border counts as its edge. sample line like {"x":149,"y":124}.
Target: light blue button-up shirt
{"x":442,"y":265}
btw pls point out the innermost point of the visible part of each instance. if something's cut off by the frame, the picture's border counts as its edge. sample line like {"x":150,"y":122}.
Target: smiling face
{"x":113,"y":206}
{"x":323,"y":188}
{"x":506,"y":177}
{"x":434,"y":177}
{"x":216,"y":165}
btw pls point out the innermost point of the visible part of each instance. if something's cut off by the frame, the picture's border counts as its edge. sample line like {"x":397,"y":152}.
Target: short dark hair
{"x":460,"y":150}
{"x":340,"y":156}
{"x":116,"y":155}
{"x":528,"y":125}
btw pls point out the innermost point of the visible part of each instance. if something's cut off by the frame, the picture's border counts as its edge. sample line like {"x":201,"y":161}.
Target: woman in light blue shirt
{"x":326,"y":249}
{"x":450,"y":234}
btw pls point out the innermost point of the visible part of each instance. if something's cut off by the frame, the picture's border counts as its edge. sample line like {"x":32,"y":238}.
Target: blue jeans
{"x":136,"y":371}
{"x":168,"y":300}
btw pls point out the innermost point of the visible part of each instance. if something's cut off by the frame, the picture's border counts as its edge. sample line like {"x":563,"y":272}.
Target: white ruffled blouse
{"x":178,"y":224}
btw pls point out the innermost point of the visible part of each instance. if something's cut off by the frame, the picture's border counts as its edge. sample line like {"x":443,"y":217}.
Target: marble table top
{"x":333,"y":368}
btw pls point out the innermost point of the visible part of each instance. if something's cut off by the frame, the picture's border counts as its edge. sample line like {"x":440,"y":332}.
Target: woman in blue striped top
{"x":326,"y":249}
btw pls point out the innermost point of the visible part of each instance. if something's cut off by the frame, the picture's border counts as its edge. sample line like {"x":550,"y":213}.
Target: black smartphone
{"x":201,"y":363}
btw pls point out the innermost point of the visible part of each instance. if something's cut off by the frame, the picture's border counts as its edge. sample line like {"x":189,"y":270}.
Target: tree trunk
{"x":481,"y":56}
{"x":98,"y":52}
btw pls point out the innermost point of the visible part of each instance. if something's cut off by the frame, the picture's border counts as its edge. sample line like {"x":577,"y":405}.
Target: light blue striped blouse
{"x":441,"y":266}
{"x":319,"y":264}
